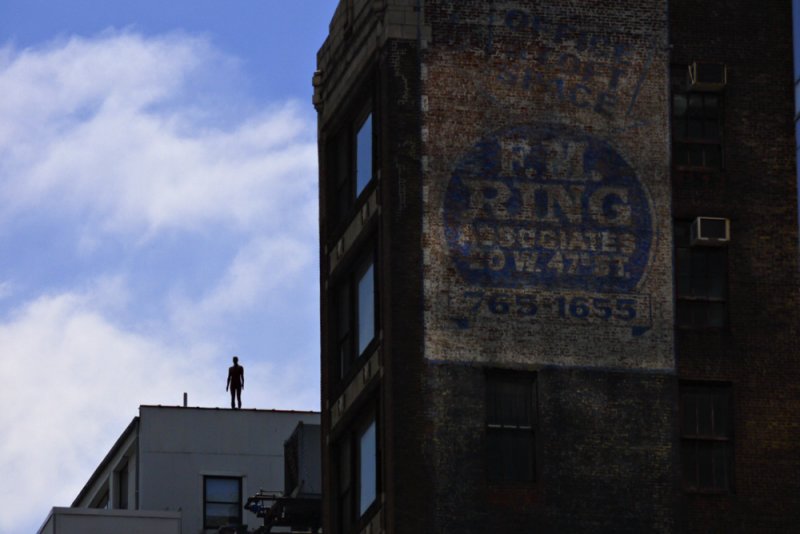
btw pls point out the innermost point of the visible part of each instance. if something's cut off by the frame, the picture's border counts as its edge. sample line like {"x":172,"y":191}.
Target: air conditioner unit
{"x":707,"y":76}
{"x":710,"y":231}
{"x":302,"y":468}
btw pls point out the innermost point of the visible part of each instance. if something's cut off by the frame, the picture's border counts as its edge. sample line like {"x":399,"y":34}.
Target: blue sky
{"x":158,"y":214}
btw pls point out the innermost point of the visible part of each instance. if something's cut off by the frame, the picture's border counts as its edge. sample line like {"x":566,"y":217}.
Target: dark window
{"x":345,"y":495}
{"x":357,"y":473}
{"x":367,"y":467}
{"x":122,"y":487}
{"x":701,"y":280}
{"x":363,"y":169}
{"x":696,"y":125}
{"x":351,"y":160}
{"x":356,"y":299}
{"x":222,"y":501}
{"x":510,"y":432}
{"x":365,"y":307}
{"x":707,"y":437}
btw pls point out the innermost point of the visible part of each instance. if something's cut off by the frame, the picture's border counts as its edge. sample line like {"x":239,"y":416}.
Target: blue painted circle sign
{"x":547,"y":206}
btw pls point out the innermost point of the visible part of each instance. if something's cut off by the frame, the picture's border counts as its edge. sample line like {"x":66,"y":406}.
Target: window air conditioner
{"x":707,"y":76}
{"x":710,"y":231}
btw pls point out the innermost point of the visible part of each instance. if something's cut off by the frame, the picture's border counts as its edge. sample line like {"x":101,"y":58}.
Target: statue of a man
{"x":235,"y":382}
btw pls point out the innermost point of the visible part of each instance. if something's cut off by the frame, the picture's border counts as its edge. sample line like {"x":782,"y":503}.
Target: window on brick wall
{"x":706,"y":437}
{"x":357,"y":473}
{"x":367,"y":466}
{"x":696,"y":125}
{"x":356,"y":312}
{"x":363,"y":154}
{"x":510,"y":426}
{"x":345,"y":491}
{"x":701,"y":281}
{"x":351,"y":163}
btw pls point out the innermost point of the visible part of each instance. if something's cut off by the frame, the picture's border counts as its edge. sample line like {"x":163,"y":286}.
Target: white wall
{"x":178,"y":446}
{"x":91,"y":521}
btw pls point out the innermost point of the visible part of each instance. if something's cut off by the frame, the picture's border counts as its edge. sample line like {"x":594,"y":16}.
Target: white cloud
{"x":72,"y":380}
{"x":108,"y":136}
{"x":6,"y":289}
{"x":69,"y":77}
{"x":94,"y":127}
{"x":262,"y":266}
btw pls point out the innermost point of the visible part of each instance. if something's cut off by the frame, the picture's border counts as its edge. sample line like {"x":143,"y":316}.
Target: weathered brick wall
{"x":547,"y":231}
{"x":758,"y":352}
{"x":407,"y":484}
{"x":361,"y":61}
{"x":547,"y":247}
{"x":608,"y":461}
{"x":605,"y":460}
{"x":372,"y":53}
{"x":526,"y":223}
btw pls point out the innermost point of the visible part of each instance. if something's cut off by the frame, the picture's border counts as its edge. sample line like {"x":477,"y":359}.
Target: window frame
{"x":370,"y":423}
{"x":206,"y":501}
{"x":682,"y":135}
{"x":345,"y":195}
{"x":347,"y":314}
{"x":692,"y":442}
{"x":359,"y":187}
{"x":345,"y":486}
{"x":350,"y":513}
{"x":121,"y":481}
{"x":687,"y":260}
{"x":497,"y":427}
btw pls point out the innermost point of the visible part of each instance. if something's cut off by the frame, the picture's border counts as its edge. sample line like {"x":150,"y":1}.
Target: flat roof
{"x":206,"y":408}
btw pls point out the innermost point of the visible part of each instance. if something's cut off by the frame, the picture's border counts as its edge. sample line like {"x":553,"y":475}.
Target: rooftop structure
{"x":190,"y":467}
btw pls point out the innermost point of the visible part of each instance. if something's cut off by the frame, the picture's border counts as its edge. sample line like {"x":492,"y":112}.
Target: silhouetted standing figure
{"x":235,"y":382}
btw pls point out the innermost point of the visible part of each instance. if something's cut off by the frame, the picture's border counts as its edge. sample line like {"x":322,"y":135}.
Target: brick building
{"x":559,"y":267}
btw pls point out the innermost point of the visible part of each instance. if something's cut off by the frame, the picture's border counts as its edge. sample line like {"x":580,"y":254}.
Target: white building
{"x":182,"y":470}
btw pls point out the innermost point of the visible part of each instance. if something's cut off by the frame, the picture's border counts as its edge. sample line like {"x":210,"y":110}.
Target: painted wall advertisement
{"x":547,"y":234}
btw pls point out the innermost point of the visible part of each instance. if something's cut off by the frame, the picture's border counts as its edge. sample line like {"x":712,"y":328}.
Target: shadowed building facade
{"x":559,"y":267}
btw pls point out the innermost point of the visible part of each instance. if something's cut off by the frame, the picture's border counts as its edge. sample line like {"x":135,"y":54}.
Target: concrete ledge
{"x":96,"y":521}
